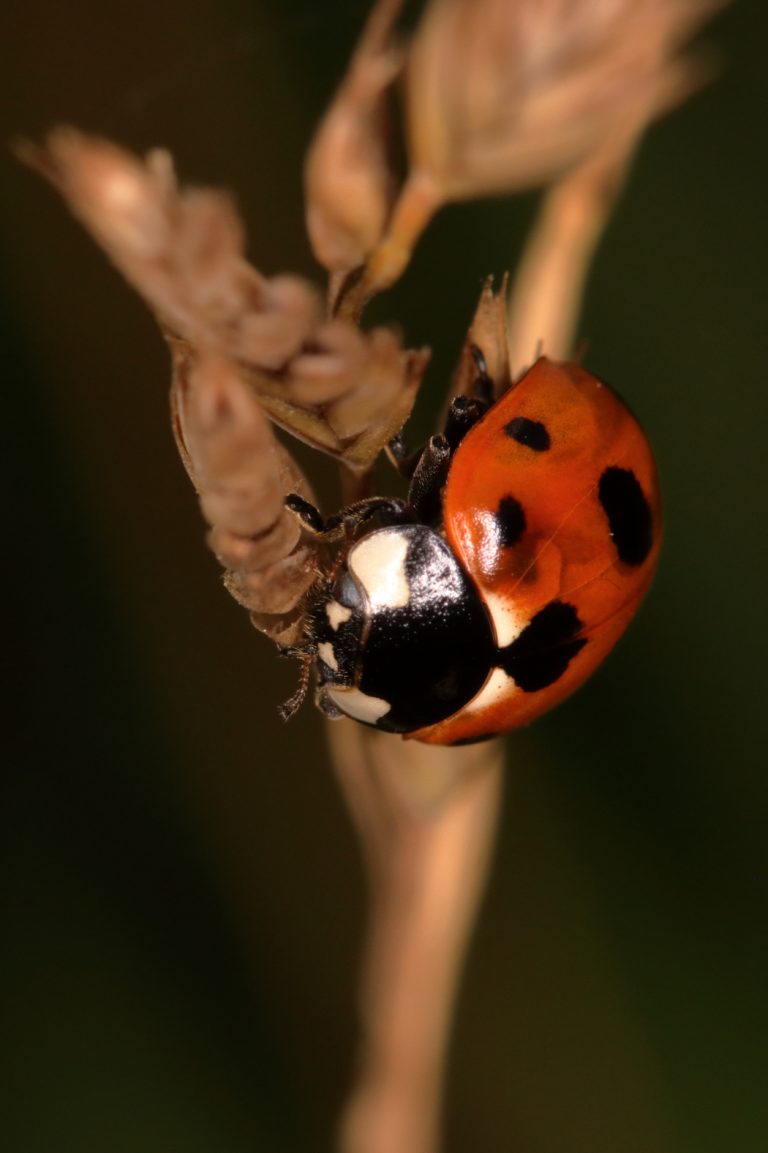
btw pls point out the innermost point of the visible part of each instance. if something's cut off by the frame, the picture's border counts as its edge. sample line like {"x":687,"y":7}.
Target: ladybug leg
{"x":482,"y":386}
{"x":403,"y":461}
{"x":304,"y":511}
{"x":391,"y":510}
{"x":305,"y":656}
{"x":345,"y":524}
{"x":427,"y":468}
{"x":464,"y":412}
{"x":429,"y":476}
{"x":431,"y":471}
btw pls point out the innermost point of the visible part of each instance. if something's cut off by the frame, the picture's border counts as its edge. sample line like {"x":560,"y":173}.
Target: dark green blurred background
{"x":182,"y":898}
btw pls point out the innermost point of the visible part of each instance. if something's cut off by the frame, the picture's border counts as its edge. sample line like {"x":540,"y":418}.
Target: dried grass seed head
{"x":242,"y":474}
{"x":348,"y":183}
{"x":182,"y":249}
{"x":506,"y":94}
{"x":183,"y":252}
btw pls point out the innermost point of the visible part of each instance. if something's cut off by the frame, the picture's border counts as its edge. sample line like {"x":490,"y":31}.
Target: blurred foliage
{"x":182,"y":902}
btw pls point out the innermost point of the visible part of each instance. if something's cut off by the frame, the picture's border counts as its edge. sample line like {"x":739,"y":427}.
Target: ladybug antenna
{"x":290,"y":707}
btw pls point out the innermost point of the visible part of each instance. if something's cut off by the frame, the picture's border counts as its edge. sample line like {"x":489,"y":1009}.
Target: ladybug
{"x":528,"y":539}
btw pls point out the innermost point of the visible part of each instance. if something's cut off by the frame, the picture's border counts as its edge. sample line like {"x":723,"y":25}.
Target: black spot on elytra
{"x":510,"y":520}
{"x":545,"y":648}
{"x":532,"y":433}
{"x":629,"y":514}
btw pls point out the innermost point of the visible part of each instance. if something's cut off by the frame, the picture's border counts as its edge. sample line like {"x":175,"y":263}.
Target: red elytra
{"x":552,"y":497}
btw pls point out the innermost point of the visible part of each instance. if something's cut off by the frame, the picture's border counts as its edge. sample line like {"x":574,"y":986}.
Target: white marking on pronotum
{"x":337,"y":614}
{"x":378,"y":562}
{"x":507,"y":622}
{"x":356,"y":704}
{"x":327,"y":655}
{"x":497,"y":686}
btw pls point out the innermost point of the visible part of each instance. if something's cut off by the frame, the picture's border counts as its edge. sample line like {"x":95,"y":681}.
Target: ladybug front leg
{"x":463,"y":414}
{"x":464,"y":411}
{"x":433,"y":462}
{"x":345,"y":524}
{"x":429,"y":477}
{"x":427,"y":468}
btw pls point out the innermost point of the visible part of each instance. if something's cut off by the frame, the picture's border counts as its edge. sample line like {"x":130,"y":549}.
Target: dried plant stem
{"x":548,"y":287}
{"x":417,"y":203}
{"x":426,"y":815}
{"x":426,"y":818}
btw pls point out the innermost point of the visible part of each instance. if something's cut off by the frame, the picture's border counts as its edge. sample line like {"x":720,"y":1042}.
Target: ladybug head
{"x":401,"y":637}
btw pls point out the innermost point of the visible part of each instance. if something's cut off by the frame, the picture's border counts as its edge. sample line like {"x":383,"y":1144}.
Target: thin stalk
{"x":426,"y":818}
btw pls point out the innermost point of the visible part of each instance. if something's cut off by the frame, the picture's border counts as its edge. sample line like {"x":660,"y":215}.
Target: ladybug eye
{"x":347,"y":593}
